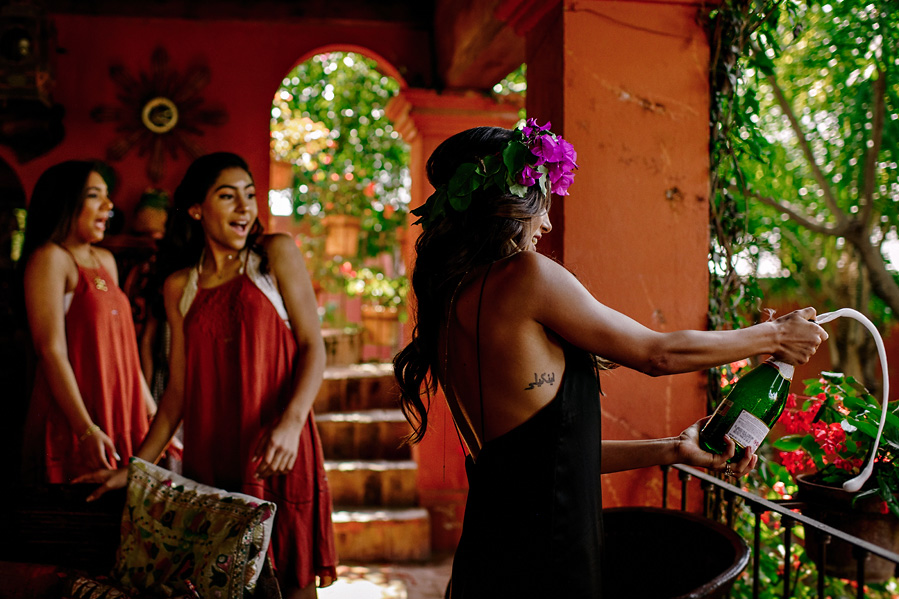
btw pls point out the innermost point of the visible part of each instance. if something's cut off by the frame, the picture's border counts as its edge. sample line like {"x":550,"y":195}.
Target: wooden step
{"x":382,"y":535}
{"x":388,"y":483}
{"x":364,"y":435}
{"x":357,"y":387}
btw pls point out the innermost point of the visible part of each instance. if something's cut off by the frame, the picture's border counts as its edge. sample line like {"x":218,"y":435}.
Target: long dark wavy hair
{"x":184,"y":240}
{"x":492,"y":227}
{"x":56,"y":202}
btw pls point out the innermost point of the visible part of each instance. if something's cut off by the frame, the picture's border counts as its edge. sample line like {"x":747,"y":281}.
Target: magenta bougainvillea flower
{"x":529,"y":176}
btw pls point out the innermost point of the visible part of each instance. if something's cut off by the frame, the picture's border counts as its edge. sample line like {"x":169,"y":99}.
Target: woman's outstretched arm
{"x":557,"y":300}
{"x":683,"y":449}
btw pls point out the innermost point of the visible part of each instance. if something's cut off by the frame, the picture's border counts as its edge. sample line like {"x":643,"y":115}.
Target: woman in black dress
{"x":510,"y":336}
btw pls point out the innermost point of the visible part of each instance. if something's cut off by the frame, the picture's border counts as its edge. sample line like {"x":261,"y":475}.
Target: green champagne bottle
{"x":750,"y":409}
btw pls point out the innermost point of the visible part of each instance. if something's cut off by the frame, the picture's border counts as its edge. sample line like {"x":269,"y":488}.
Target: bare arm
{"x":559,"y":302}
{"x":47,"y":275}
{"x":279,"y":446}
{"x":683,"y":449}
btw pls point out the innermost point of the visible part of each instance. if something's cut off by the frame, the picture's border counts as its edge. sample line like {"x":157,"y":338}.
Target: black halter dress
{"x":533,"y":519}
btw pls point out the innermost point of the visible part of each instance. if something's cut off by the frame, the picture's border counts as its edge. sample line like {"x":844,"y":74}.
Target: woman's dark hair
{"x":183,"y":242}
{"x":56,"y":202}
{"x":491,"y":228}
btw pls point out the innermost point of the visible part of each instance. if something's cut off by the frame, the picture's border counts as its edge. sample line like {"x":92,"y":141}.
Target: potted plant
{"x":382,"y":297}
{"x":830,"y":433}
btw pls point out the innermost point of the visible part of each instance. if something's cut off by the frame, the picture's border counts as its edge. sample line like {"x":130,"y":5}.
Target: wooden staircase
{"x":372,"y":475}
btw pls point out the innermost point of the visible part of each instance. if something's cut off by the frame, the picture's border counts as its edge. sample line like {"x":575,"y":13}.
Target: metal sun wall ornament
{"x":159,"y":112}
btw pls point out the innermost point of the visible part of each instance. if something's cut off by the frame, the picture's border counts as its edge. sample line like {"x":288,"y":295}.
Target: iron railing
{"x":719,"y":498}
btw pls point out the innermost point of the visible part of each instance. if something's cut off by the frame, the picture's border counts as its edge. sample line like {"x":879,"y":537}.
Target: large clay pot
{"x":654,"y":553}
{"x":381,"y":324}
{"x":343,"y":346}
{"x":833,"y":506}
{"x":342,"y":237}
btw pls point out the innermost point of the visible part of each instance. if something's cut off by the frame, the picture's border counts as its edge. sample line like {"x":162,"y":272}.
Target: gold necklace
{"x":99,"y":281}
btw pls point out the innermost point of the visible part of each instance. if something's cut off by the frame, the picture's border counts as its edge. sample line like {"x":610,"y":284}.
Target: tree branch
{"x":867,"y":198}
{"x":803,"y":221}
{"x":785,"y":105}
{"x":882,"y":282}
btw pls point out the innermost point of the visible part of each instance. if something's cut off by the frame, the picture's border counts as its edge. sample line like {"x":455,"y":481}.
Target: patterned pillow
{"x":178,"y":534}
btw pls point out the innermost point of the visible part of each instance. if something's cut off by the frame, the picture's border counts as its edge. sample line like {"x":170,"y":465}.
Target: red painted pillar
{"x":425,"y":118}
{"x":626,"y":83}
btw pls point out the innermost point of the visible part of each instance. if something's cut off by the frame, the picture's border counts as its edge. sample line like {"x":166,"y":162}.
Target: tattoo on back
{"x":548,"y":378}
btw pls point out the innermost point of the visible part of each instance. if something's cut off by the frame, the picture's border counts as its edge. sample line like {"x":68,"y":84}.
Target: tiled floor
{"x":391,"y":581}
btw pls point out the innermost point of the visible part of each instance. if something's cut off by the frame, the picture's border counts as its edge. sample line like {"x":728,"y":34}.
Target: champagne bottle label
{"x":748,"y":431}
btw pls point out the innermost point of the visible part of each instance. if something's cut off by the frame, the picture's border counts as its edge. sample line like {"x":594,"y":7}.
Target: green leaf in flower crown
{"x":490,"y":165}
{"x":519,"y":190}
{"x":460,"y":203}
{"x":432,"y":209}
{"x":464,"y":180}
{"x":544,"y":180}
{"x":515,"y":156}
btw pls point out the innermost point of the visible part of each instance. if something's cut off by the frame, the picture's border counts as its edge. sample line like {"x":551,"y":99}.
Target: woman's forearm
{"x":64,"y":387}
{"x":688,"y":351}
{"x":308,"y":380}
{"x":630,"y":455}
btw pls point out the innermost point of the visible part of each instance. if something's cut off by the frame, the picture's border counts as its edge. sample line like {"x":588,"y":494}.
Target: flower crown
{"x":534,"y":156}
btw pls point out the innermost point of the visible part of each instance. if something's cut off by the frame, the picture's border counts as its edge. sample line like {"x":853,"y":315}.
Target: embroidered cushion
{"x":177,"y":534}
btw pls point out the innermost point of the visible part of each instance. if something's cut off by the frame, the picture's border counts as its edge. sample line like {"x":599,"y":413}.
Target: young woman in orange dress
{"x":90,"y":403}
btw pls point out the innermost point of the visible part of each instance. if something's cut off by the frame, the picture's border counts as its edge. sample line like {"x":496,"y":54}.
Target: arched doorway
{"x":340,"y":186}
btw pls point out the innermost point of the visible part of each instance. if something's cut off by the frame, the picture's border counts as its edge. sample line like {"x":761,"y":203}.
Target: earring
{"x":196,"y":216}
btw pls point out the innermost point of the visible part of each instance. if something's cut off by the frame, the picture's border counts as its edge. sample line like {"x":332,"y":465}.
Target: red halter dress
{"x":240,"y":363}
{"x":102,"y":349}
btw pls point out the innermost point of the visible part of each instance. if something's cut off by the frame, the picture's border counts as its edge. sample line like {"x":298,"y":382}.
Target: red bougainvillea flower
{"x":830,"y":437}
{"x":796,"y":420}
{"x":797,"y":461}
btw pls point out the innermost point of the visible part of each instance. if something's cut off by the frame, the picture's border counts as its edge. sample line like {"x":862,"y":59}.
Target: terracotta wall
{"x":631,"y":92}
{"x":247,"y":62}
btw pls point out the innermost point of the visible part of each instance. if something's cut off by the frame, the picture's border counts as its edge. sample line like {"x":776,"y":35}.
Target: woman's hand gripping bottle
{"x":750,"y":409}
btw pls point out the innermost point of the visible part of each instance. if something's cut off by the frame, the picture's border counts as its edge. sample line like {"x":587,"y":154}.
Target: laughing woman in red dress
{"x":246,"y":363}
{"x":90,"y":403}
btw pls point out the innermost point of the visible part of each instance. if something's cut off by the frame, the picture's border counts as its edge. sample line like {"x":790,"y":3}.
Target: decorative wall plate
{"x":159,"y":112}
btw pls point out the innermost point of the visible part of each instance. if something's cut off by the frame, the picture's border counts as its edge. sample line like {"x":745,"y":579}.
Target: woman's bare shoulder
{"x":527,"y":269}
{"x":50,"y":257}
{"x":277,"y":243}
{"x":176,"y":282}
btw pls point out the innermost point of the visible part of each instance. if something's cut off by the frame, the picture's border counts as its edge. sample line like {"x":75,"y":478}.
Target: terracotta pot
{"x":342,"y":238}
{"x":280,"y":175}
{"x":833,"y":506}
{"x":343,"y":346}
{"x":381,"y":324}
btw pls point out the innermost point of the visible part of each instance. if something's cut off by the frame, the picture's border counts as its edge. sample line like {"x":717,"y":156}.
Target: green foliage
{"x":376,"y":288}
{"x":832,"y":431}
{"x":515,"y":83}
{"x":328,"y":120}
{"x":804,"y":148}
{"x":772,"y":481}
